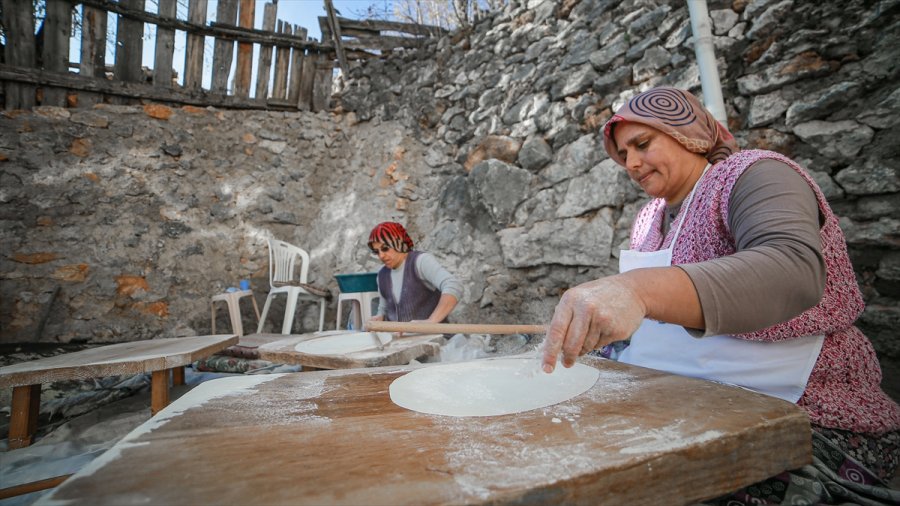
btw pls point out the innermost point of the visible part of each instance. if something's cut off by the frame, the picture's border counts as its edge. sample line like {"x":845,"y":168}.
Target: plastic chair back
{"x":283,"y":261}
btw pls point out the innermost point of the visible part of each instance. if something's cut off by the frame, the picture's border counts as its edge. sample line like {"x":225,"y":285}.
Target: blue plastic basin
{"x":360,"y":282}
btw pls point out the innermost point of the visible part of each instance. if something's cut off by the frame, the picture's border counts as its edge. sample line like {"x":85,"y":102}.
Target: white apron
{"x":780,"y":369}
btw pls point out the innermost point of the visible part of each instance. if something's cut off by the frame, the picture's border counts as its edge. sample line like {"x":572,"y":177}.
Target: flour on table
{"x":489,"y":387}
{"x":339,"y":344}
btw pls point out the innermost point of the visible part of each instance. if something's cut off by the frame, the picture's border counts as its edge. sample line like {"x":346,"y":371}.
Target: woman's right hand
{"x":592,"y":315}
{"x":376,"y":318}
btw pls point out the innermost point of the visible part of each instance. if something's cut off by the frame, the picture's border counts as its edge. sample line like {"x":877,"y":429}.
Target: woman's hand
{"x":592,"y":315}
{"x":376,"y":318}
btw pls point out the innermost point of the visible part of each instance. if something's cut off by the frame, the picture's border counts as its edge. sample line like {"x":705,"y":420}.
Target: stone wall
{"x":118,"y":222}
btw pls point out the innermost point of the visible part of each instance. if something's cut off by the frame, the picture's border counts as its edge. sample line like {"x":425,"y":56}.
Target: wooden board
{"x":398,"y":352}
{"x":116,"y":359}
{"x":334,"y":437}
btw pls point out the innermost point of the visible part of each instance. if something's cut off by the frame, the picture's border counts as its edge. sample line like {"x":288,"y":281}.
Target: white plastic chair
{"x":282,"y":262}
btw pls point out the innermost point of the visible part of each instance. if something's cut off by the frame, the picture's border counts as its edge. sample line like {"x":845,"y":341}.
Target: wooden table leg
{"x":26,"y":405}
{"x":178,"y":376}
{"x":159,"y":391}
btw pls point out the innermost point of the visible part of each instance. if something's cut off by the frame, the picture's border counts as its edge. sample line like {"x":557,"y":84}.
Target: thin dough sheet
{"x":340,"y":344}
{"x":489,"y":387}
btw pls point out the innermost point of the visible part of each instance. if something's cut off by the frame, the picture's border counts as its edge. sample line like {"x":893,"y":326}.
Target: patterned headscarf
{"x":391,"y":234}
{"x":679,"y":114}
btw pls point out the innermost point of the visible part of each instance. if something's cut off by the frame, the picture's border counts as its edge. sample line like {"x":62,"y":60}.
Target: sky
{"x":296,"y":12}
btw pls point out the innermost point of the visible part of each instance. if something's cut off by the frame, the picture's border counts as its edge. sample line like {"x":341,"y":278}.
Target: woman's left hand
{"x":589,"y":316}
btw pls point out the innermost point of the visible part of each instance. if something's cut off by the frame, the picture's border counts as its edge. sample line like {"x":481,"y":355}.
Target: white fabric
{"x":780,"y":369}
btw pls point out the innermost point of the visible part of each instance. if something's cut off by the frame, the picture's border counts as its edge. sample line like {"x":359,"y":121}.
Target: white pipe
{"x":706,"y":60}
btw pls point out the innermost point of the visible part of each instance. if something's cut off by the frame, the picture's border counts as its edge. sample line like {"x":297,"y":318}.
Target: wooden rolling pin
{"x":453,"y":328}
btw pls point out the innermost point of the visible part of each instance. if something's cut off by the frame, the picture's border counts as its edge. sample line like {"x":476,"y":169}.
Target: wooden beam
{"x":34,"y":486}
{"x":133,"y":90}
{"x":26,"y":406}
{"x":178,"y":376}
{"x":390,"y":26}
{"x":159,"y":391}
{"x":336,"y":36}
{"x":383,"y":42}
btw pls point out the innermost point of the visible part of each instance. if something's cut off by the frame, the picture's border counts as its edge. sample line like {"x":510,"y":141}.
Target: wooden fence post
{"x":296,"y":67}
{"x":129,"y":48}
{"x":226,"y":13}
{"x":322,"y":85}
{"x":57,"y":30}
{"x":93,"y":50}
{"x":282,"y":60}
{"x":307,"y":78}
{"x":243,"y":74}
{"x":165,"y":46}
{"x":193,"y":55}
{"x":19,"y":51}
{"x":264,"y":70}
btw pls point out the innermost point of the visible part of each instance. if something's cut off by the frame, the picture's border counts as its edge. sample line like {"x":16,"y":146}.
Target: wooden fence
{"x":292,"y":71}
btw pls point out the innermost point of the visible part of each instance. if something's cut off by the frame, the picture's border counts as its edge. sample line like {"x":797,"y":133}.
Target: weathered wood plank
{"x":397,"y":352}
{"x":129,"y":45}
{"x":226,"y":31}
{"x":115,"y":359}
{"x":133,"y":90}
{"x":223,"y":52}
{"x":335,"y":437}
{"x":382,"y":43}
{"x":57,"y":30}
{"x":322,"y":83}
{"x":282,"y":60}
{"x":307,"y":79}
{"x":93,"y":50}
{"x":335,"y":27}
{"x":264,"y":70}
{"x":193,"y":56}
{"x":165,"y":46}
{"x":297,"y":57}
{"x":242,"y":76}
{"x":372,"y":25}
{"x":19,"y":50}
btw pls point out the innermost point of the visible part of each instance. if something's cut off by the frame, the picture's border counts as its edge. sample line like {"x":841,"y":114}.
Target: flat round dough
{"x":489,"y":387}
{"x":340,"y":344}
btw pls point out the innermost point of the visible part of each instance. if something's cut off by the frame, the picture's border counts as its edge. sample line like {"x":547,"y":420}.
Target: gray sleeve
{"x":436,"y":277}
{"x":778,"y":270}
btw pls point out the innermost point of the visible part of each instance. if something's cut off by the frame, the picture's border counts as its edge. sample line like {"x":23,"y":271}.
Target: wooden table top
{"x":637,"y":437}
{"x":397,"y":352}
{"x":116,"y":359}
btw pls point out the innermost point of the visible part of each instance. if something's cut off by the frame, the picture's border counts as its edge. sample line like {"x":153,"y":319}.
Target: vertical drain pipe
{"x":706,"y":60}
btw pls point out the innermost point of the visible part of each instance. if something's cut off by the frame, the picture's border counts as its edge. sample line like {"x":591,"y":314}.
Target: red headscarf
{"x":391,"y":234}
{"x":678,"y":114}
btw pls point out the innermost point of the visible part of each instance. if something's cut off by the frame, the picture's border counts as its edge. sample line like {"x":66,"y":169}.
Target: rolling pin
{"x":453,"y":328}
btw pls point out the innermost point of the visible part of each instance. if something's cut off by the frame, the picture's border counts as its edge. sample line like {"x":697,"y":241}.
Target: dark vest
{"x":416,"y":302}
